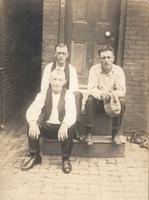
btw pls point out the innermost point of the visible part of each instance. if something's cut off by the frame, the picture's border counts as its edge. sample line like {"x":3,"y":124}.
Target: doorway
{"x":21,"y":49}
{"x":27,"y":27}
{"x":89,"y":24}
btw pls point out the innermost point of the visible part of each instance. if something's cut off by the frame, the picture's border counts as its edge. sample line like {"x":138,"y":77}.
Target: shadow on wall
{"x":21,"y":35}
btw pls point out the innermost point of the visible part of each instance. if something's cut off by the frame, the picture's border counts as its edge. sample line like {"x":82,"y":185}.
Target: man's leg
{"x":66,"y":147}
{"x":78,"y":99}
{"x":33,"y":156}
{"x":51,"y":131}
{"x":118,"y":122}
{"x":92,"y":107}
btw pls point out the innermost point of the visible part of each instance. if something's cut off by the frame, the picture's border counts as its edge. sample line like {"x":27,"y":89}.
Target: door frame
{"x":121,"y":33}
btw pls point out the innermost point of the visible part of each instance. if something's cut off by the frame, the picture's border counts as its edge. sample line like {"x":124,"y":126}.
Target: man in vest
{"x":56,"y":121}
{"x":105,"y":81}
{"x":60,"y":62}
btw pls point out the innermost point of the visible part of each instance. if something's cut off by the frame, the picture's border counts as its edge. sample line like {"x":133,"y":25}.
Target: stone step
{"x":102,"y":125}
{"x":103,"y":147}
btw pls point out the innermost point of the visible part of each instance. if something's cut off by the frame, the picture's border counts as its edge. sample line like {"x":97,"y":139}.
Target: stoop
{"x":102,"y":136}
{"x":103,"y":146}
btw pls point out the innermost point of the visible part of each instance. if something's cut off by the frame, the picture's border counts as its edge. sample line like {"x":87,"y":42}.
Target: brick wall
{"x":6,"y":61}
{"x":20,"y":52}
{"x":50,"y":29}
{"x":136,"y":65}
{"x":135,"y":59}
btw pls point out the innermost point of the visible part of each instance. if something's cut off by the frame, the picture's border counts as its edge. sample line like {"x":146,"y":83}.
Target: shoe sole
{"x":27,"y":169}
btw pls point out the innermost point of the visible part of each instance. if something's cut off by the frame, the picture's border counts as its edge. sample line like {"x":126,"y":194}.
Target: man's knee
{"x":71,"y":130}
{"x":123,"y":103}
{"x":78,"y":95}
{"x":90,"y":100}
{"x":40,"y":123}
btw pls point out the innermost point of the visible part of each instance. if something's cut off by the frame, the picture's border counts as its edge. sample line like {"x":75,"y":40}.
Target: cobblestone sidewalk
{"x":91,"y":178}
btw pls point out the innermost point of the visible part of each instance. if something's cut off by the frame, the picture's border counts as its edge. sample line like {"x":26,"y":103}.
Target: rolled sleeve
{"x":35,"y":108}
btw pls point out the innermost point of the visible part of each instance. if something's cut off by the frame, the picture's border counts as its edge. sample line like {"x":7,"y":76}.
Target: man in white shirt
{"x":61,"y":55}
{"x":55,"y":120}
{"x":105,"y":79}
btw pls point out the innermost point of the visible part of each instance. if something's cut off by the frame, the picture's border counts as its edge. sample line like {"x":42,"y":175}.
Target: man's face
{"x":57,"y":82}
{"x":106,"y":60}
{"x":61,"y":54}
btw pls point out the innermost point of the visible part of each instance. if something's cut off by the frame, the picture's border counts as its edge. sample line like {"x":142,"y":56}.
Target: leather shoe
{"x":79,"y":138}
{"x":88,"y":139}
{"x":30,"y":161}
{"x":66,"y":166}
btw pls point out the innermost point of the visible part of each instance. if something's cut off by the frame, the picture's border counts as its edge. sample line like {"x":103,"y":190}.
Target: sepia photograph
{"x":74,"y":99}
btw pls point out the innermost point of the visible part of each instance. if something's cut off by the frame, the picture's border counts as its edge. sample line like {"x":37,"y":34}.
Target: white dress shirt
{"x":73,"y":79}
{"x":34,"y":110}
{"x":100,"y":82}
{"x":53,"y":119}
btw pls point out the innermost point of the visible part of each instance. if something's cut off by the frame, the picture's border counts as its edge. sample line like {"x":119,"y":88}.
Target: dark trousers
{"x":50,"y":131}
{"x":94,"y":107}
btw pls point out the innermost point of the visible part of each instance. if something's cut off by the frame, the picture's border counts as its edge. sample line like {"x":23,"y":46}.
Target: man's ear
{"x":50,"y":78}
{"x":64,"y":81}
{"x":67,"y":54}
{"x":99,"y":58}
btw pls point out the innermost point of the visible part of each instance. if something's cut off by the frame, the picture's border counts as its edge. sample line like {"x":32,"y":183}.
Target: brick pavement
{"x":91,"y":178}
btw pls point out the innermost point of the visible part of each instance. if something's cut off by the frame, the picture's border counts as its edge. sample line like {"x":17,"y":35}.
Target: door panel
{"x":86,"y":24}
{"x":78,"y":58}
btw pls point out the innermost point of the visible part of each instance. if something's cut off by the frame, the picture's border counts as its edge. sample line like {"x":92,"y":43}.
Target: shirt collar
{"x":108,"y":74}
{"x":60,"y":68}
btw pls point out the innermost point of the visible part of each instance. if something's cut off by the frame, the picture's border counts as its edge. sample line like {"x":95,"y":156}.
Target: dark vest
{"x":66,"y":70}
{"x":47,"y":109}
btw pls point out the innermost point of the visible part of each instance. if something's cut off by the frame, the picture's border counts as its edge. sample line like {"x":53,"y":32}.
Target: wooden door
{"x":88,"y":25}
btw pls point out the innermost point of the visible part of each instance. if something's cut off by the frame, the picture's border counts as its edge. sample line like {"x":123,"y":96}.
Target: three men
{"x":105,"y":80}
{"x":57,"y":106}
{"x":55,"y":121}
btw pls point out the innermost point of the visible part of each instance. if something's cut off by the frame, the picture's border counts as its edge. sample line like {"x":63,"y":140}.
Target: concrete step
{"x":102,"y":125}
{"x":103,"y":147}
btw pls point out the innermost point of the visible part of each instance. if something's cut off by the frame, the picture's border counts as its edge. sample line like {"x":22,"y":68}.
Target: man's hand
{"x":63,"y":132}
{"x":106,"y":97}
{"x":34,"y":131}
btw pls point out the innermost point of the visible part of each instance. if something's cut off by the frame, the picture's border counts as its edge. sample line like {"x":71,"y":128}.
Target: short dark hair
{"x":62,"y":45}
{"x":105,"y":48}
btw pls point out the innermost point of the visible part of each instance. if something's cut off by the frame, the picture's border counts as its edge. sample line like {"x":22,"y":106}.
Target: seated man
{"x":55,"y":121}
{"x":60,"y":62}
{"x":105,"y":78}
